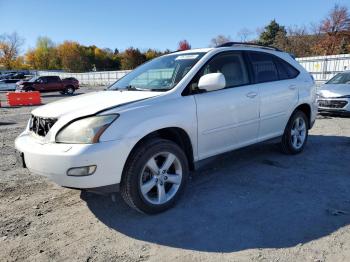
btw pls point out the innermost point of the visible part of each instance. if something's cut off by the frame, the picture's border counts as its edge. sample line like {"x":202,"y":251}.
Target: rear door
{"x":278,"y":92}
{"x":227,"y":118}
{"x":54,"y":83}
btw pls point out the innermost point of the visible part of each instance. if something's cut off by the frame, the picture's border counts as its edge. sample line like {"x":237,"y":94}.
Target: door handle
{"x":292,"y":87}
{"x":251,"y":94}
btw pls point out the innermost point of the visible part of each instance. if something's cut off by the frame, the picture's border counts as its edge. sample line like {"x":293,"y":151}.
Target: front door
{"x":40,"y":83}
{"x":227,"y":118}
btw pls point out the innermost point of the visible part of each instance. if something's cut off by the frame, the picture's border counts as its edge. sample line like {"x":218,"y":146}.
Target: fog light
{"x":81,"y":171}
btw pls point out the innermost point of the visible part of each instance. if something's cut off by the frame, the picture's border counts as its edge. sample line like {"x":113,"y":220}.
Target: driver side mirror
{"x":212,"y":82}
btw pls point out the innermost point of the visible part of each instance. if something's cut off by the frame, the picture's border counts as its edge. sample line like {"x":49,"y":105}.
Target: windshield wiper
{"x":159,"y":89}
{"x":134,"y":88}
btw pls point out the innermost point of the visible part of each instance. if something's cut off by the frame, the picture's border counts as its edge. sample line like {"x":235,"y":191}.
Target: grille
{"x":41,"y":126}
{"x":332,"y":103}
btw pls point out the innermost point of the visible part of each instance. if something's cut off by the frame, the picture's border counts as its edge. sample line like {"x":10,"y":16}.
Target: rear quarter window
{"x":285,"y":70}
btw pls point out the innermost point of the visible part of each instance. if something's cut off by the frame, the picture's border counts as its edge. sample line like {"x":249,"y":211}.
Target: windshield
{"x":341,"y":78}
{"x":33,"y":79}
{"x":160,"y":74}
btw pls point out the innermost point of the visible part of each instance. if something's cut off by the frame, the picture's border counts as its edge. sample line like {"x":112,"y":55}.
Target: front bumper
{"x":53,"y":160}
{"x":334,"y":105}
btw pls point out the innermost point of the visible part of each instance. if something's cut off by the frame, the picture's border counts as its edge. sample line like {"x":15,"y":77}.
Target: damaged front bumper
{"x":53,"y":160}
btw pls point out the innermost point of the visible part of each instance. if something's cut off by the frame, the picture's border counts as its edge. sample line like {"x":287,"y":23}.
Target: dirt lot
{"x":253,"y":204}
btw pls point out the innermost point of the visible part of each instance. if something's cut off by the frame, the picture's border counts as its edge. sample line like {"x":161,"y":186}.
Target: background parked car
{"x":19,"y":75}
{"x":15,"y":75}
{"x":49,"y":84}
{"x":6,"y":76}
{"x":334,"y":96}
{"x":8,"y":84}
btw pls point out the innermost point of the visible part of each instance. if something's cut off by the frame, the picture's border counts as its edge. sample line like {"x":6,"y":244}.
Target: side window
{"x":52,"y":79}
{"x":42,"y":80}
{"x":55,"y":79}
{"x":285,"y":70}
{"x":231,"y":65}
{"x":264,"y":68}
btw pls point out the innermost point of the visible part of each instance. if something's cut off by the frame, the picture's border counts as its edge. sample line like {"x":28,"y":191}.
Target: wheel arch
{"x":175,"y":134}
{"x":306,"y":109}
{"x":69,"y":85}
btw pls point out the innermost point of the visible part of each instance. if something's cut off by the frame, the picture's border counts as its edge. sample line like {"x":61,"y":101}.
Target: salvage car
{"x":49,"y":84}
{"x":334,"y":95}
{"x":145,"y":133}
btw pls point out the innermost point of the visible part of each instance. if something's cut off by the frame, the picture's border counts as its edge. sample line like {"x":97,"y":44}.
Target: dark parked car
{"x":6,"y":76}
{"x":19,"y":75}
{"x":49,"y":84}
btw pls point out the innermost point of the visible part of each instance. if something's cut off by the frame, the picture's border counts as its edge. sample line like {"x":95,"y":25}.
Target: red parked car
{"x":49,"y":84}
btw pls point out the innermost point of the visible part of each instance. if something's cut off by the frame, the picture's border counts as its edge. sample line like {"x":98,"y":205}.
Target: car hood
{"x":334,"y":90}
{"x":91,"y":103}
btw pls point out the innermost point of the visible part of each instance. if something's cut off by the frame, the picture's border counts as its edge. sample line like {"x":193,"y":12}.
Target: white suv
{"x":148,"y":130}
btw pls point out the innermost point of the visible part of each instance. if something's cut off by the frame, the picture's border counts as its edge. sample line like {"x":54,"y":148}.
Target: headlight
{"x":85,"y":131}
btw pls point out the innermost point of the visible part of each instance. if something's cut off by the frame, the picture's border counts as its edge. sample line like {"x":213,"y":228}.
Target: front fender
{"x":137,"y":123}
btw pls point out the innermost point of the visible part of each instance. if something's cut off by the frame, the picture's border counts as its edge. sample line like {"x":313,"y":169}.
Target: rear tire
{"x":154,"y":176}
{"x":295,"y":134}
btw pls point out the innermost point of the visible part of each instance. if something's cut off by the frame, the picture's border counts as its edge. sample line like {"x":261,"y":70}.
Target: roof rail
{"x":227,"y":44}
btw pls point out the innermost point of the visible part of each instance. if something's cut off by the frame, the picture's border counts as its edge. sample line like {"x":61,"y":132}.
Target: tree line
{"x":331,"y":36}
{"x":69,"y":56}
{"x":328,"y":37}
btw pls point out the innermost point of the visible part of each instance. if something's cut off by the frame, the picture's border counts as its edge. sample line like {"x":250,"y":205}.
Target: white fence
{"x":89,"y":78}
{"x":325,"y":67}
{"x":321,"y":67}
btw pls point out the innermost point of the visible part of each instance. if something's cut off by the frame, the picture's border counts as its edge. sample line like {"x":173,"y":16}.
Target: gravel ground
{"x":254,"y":204}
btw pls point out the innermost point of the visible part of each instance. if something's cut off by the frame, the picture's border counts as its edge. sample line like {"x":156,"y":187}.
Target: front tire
{"x":69,"y":90}
{"x":154,"y":176}
{"x":295,"y":134}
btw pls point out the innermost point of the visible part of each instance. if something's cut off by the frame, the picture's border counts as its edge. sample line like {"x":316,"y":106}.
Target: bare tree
{"x":338,"y":20}
{"x":244,"y":34}
{"x":299,"y":41}
{"x":335,"y":28}
{"x":10,"y":45}
{"x":219,"y":40}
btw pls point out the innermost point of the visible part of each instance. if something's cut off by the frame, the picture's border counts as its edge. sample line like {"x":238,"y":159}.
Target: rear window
{"x":264,"y":68}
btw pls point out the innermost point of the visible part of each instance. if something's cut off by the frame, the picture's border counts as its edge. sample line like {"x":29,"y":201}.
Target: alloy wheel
{"x":298,"y":133}
{"x":161,"y":178}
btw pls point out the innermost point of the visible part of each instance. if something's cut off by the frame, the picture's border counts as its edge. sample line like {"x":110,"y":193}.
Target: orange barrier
{"x":23,"y":98}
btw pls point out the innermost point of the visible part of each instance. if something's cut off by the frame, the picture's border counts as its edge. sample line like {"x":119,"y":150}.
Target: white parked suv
{"x":149,"y":129}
